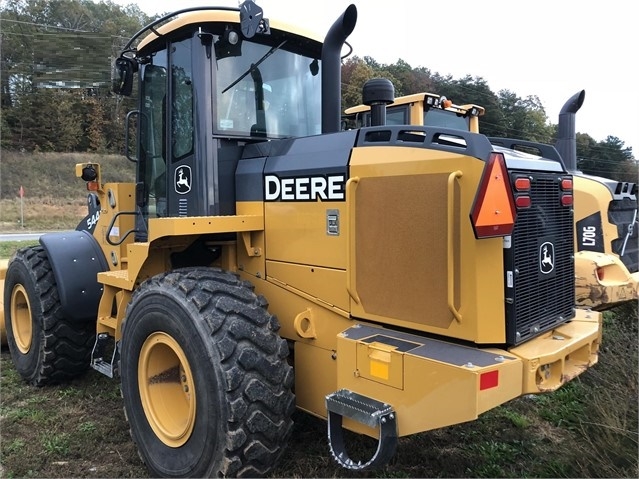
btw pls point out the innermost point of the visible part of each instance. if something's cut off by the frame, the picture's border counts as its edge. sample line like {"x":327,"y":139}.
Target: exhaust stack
{"x":567,"y":138}
{"x":332,"y":69}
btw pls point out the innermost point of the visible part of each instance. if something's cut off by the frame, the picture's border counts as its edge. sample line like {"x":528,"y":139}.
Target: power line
{"x":44,"y":25}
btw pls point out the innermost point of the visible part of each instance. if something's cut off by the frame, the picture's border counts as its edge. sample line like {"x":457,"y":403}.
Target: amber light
{"x":93,"y":186}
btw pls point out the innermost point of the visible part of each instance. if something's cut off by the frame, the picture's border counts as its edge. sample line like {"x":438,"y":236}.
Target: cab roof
{"x":213,"y":15}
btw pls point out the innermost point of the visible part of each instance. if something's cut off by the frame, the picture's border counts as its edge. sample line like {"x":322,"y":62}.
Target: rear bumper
{"x":603,"y":281}
{"x":560,"y":355}
{"x":433,"y":383}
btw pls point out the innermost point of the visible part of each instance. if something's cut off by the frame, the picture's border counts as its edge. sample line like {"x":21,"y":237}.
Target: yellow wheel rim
{"x":21,"y":323}
{"x":167,"y":390}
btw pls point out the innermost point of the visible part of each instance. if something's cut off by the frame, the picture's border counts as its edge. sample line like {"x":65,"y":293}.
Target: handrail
{"x":450,"y":243}
{"x":112,"y":224}
{"x":126,"y":134}
{"x":351,"y":185}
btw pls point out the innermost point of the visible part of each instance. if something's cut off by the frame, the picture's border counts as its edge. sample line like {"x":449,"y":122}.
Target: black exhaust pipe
{"x":332,"y":69}
{"x":567,"y":136}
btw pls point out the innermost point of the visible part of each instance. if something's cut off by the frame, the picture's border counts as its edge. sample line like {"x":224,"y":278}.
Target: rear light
{"x":493,"y":212}
{"x":523,"y":202}
{"x":566,"y":200}
{"x":566,"y":188}
{"x":522,"y":183}
{"x":600,"y":274}
{"x":566,"y":184}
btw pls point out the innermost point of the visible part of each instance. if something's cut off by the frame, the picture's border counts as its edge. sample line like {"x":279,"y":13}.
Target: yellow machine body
{"x":603,"y":280}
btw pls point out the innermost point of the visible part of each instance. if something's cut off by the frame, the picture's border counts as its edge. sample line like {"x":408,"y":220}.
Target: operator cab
{"x":211,"y":82}
{"x":427,"y":109}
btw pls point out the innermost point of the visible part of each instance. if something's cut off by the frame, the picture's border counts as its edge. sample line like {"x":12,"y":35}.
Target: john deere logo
{"x":546,"y":258}
{"x":183,"y":180}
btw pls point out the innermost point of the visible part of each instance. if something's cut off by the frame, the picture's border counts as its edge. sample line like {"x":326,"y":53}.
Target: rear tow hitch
{"x":368,"y":411}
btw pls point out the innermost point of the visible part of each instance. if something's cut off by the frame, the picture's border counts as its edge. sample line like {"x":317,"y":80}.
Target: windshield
{"x":447,"y":119}
{"x":269,"y":92}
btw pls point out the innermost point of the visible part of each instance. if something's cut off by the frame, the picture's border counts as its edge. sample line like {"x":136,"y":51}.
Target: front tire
{"x":205,"y":379}
{"x":45,"y":347}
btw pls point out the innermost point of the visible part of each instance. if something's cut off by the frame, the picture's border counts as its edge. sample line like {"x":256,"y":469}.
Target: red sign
{"x":21,"y":192}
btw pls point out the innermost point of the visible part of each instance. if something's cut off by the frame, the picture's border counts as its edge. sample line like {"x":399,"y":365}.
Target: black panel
{"x":249,"y":179}
{"x":432,"y":138}
{"x":590,"y":233}
{"x":227,"y":158}
{"x":540,"y":297}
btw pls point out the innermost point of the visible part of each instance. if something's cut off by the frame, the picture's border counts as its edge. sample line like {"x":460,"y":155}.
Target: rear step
{"x":368,"y":411}
{"x":104,"y":345}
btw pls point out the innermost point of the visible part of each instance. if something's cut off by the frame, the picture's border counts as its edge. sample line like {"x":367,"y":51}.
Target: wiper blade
{"x":254,"y":66}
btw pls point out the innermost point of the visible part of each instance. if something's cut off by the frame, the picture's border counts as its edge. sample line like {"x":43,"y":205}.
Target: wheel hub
{"x":167,"y":390}
{"x":21,"y":318}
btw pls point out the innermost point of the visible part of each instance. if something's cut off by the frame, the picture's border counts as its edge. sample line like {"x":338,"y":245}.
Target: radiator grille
{"x":539,"y":296}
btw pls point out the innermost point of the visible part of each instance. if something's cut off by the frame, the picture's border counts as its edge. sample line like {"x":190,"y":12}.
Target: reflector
{"x":489,"y":380}
{"x":493,"y":212}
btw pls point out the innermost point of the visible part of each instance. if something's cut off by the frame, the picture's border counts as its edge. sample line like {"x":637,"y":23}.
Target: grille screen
{"x":540,"y":287}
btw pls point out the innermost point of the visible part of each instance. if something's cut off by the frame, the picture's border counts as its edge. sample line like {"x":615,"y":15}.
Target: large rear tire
{"x":45,"y":347}
{"x":205,"y":379}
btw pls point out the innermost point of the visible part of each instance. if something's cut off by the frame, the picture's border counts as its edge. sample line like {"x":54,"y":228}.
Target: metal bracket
{"x":250,"y":250}
{"x":368,"y":411}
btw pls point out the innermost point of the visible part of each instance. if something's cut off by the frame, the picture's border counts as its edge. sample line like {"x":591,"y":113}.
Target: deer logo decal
{"x":183,"y":180}
{"x":546,"y":257}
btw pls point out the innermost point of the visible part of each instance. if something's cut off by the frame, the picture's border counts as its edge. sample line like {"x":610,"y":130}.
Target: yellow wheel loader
{"x":391,"y":279}
{"x":605,"y":210}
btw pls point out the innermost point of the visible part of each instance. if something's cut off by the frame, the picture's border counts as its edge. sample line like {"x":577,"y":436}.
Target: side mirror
{"x":124,"y":69}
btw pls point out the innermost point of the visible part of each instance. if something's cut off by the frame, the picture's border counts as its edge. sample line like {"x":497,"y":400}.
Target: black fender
{"x":76,"y":259}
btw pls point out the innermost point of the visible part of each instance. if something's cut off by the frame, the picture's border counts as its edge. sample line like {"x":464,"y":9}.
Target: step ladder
{"x":104,"y":347}
{"x":368,"y":411}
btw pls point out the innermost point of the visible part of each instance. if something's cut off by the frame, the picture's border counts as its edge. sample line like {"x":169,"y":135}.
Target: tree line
{"x":55,"y":94}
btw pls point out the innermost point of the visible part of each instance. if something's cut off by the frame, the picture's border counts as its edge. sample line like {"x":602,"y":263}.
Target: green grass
{"x":54,"y":198}
{"x":7,"y":248}
{"x":55,"y":443}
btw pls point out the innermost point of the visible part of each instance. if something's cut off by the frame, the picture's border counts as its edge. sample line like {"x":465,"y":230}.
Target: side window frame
{"x":182,"y":100}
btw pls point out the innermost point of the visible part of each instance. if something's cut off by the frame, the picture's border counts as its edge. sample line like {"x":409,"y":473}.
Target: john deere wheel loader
{"x":606,"y":223}
{"x":391,"y":279}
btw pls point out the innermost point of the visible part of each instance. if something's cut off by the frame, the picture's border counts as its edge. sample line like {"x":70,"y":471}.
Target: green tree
{"x":609,"y":158}
{"x":62,"y":44}
{"x":525,"y":118}
{"x":407,"y":79}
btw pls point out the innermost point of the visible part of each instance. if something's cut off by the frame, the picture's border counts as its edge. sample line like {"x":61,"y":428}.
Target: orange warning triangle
{"x":493,"y":213}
